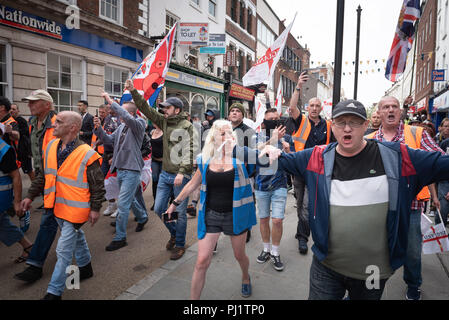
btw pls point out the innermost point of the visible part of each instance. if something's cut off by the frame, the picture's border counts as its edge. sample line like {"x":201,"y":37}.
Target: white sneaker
{"x":114,"y":215}
{"x":431,"y":214}
{"x":112,"y":206}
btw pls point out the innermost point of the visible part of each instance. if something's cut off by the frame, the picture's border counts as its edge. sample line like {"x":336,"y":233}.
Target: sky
{"x":315,"y":24}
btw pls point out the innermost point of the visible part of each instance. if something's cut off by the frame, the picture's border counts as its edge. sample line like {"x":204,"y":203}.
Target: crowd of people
{"x":360,"y":185}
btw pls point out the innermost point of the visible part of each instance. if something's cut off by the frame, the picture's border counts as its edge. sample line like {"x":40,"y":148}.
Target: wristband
{"x":175,"y":203}
{"x":297,"y":89}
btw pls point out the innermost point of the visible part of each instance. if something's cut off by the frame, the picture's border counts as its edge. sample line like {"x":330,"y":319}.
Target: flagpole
{"x":338,"y":51}
{"x":414,"y":56}
{"x":356,"y":78}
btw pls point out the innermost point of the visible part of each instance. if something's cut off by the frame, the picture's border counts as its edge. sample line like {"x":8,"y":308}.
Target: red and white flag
{"x":264,"y":68}
{"x":260,"y":113}
{"x":279,"y":99}
{"x":149,"y":78}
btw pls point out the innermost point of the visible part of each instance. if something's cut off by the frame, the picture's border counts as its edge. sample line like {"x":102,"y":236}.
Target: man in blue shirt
{"x":271,"y":189}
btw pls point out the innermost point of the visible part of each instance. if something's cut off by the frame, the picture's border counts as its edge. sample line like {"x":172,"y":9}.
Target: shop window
{"x":213,"y":7}
{"x":212,"y":103}
{"x":64,"y":81}
{"x":4,"y":83}
{"x":111,"y":10}
{"x":114,"y":81}
{"x":198,"y":105}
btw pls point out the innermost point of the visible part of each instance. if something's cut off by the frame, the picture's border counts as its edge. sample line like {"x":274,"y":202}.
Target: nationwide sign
{"x":196,"y":34}
{"x":438,"y":75}
{"x":216,"y":44}
{"x":22,"y":20}
{"x":25,"y":21}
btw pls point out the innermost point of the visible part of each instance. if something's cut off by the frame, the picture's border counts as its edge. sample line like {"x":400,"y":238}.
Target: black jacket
{"x":87,"y":128}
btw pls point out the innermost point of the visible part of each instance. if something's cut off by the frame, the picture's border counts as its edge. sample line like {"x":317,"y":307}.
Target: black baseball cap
{"x":172,"y":101}
{"x":353,"y":107}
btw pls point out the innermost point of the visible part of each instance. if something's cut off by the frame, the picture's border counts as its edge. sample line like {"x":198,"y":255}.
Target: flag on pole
{"x":149,"y":78}
{"x":260,"y":113}
{"x":264,"y":68}
{"x":403,"y":39}
{"x":279,"y":100}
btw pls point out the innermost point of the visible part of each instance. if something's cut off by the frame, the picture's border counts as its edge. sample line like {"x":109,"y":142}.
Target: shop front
{"x":239,"y":93}
{"x":198,"y":91}
{"x":39,"y":52}
{"x":440,"y":108}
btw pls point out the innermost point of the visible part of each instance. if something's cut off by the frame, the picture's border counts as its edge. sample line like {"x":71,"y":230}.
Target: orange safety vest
{"x":100,"y":148}
{"x":300,"y":137}
{"x":48,"y":136}
{"x":67,"y":188}
{"x":14,"y":144}
{"x":412,"y":137}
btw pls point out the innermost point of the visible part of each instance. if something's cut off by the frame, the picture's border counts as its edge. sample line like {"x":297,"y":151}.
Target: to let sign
{"x":438,"y":75}
{"x":196,"y":34}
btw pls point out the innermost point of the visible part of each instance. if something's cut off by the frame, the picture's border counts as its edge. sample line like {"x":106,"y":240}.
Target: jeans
{"x":71,"y":242}
{"x":130,"y":197}
{"x":156,"y":168}
{"x":443,"y":189}
{"x":326,"y":284}
{"x":165,"y":188}
{"x":9,"y":233}
{"x":276,"y":199}
{"x":412,"y":265}
{"x":44,"y":239}
{"x":302,"y":204}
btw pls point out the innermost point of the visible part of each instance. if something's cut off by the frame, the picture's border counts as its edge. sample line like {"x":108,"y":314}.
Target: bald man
{"x":307,"y":132}
{"x":68,"y":163}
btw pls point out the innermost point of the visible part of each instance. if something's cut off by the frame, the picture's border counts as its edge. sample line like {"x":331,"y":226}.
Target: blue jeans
{"x":276,"y":199}
{"x":326,"y":284}
{"x":130,"y":197}
{"x":412,"y":265}
{"x":9,"y":233}
{"x":71,"y":242}
{"x":165,"y":188}
{"x":443,"y":189}
{"x":156,"y":168}
{"x":44,"y":239}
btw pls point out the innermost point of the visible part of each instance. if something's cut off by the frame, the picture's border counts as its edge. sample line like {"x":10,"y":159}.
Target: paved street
{"x":114,"y":272}
{"x":143,"y":270}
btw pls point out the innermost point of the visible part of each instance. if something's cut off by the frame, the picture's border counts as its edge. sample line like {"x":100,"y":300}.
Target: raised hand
{"x":129,"y":85}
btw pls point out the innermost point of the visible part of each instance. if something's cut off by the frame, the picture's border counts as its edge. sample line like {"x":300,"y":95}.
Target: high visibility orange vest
{"x":14,"y":144}
{"x":48,"y":136}
{"x":100,"y":148}
{"x":67,"y":188}
{"x":412,"y":137}
{"x":300,"y":137}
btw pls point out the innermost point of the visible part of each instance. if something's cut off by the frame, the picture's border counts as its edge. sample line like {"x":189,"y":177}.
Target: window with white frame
{"x":114,"y":81}
{"x":264,"y":34}
{"x":111,"y":10}
{"x":64,"y":81}
{"x":197,"y":2}
{"x":213,"y":7}
{"x":170,"y":21}
{"x":4,"y":85}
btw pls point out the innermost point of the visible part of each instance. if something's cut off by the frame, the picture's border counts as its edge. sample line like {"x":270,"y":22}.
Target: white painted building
{"x":267,"y":33}
{"x":194,"y":81}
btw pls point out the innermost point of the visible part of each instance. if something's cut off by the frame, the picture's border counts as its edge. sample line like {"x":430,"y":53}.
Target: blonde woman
{"x":226,"y":203}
